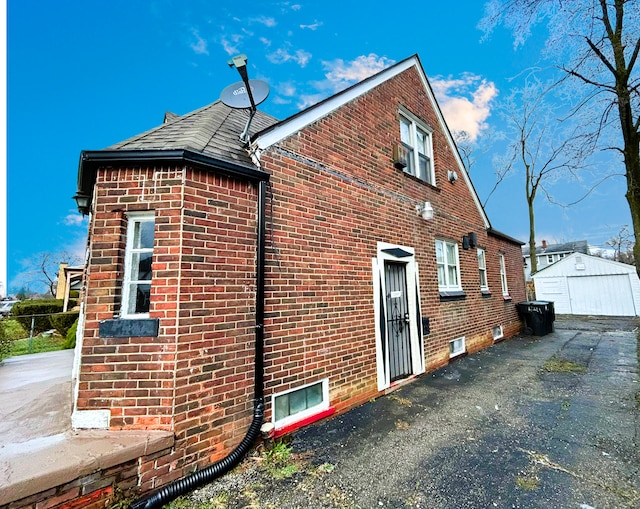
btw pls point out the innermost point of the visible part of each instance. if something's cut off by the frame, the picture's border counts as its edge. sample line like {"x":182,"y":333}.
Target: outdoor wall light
{"x":425,"y":210}
{"x":452,"y":175}
{"x":82,"y":200}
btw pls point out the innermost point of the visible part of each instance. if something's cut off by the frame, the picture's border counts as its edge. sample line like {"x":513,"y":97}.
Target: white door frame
{"x":406,"y":255}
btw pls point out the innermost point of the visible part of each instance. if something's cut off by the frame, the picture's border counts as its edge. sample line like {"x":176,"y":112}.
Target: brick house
{"x":379,"y":264}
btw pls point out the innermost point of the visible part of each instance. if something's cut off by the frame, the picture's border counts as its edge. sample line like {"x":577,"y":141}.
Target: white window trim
{"x":498,"y":332}
{"x":460,"y":347}
{"x":448,"y":286}
{"x":485,"y":286}
{"x":503,"y":275}
{"x":415,"y":123}
{"x":290,"y":419}
{"x":133,"y":217}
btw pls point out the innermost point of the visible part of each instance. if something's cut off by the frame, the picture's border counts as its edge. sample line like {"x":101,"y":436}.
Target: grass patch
{"x":528,"y":483}
{"x":279,"y":461}
{"x":39,"y":344}
{"x":12,"y":329}
{"x":555,"y":365}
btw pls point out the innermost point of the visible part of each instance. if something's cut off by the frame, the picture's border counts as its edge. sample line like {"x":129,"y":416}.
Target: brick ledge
{"x":39,"y":465}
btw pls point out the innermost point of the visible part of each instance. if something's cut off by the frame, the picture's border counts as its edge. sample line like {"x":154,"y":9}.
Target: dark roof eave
{"x":504,"y":236}
{"x":91,"y":160}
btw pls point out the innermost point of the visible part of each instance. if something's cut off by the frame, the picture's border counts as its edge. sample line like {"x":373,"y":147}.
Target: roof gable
{"x":290,"y":126}
{"x":580,"y":264}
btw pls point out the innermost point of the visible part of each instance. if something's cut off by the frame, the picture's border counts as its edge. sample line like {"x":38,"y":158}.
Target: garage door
{"x":601,"y":295}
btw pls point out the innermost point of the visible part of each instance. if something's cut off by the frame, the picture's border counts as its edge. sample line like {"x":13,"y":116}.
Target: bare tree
{"x":40,"y":274}
{"x":545,"y":148}
{"x":622,"y":244}
{"x":596,"y":43}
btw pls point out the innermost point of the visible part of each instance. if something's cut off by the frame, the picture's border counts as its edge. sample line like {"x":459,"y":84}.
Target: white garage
{"x":587,"y":285}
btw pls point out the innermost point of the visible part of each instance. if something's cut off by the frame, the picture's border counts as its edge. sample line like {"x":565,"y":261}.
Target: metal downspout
{"x":221,"y":467}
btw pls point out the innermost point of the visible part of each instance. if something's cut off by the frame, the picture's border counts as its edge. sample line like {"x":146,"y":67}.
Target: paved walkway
{"x":532,"y":422}
{"x":38,"y":449}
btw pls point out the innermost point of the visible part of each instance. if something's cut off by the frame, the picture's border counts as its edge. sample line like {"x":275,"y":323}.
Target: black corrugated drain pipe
{"x":219,"y":468}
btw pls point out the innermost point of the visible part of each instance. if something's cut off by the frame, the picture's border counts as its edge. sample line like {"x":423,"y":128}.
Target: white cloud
{"x":231,"y":46}
{"x":341,"y":74}
{"x":266,"y":21}
{"x":313,"y":26}
{"x":465,"y":102}
{"x":74,"y":219}
{"x":309,"y":100}
{"x":200,"y":46}
{"x":286,"y":88}
{"x":265,"y":41}
{"x":281,"y":56}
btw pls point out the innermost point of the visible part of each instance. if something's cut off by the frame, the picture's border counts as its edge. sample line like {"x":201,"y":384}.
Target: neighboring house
{"x":549,"y":254}
{"x":379,"y":265}
{"x":582,"y":284}
{"x":69,"y":279}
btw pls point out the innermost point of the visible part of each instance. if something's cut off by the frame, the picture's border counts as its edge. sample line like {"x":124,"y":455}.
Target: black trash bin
{"x":538,"y":316}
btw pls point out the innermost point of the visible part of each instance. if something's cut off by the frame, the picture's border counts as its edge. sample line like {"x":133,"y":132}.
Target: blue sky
{"x":87,"y":74}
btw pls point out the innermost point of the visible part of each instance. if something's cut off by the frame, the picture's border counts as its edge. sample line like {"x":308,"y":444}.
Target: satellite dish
{"x":236,"y":95}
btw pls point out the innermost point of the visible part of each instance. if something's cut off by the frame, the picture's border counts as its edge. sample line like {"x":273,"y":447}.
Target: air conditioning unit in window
{"x":400,"y":156}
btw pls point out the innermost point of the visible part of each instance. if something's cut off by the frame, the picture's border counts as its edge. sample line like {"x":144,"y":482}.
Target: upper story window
{"x":482,"y":268}
{"x":503,"y":276}
{"x":136,"y":289}
{"x":416,"y":139}
{"x":448,"y":265}
{"x":549,"y":259}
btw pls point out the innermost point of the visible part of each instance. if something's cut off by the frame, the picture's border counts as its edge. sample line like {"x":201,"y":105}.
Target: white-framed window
{"x":299,"y":403}
{"x":498,"y":333}
{"x":457,"y":347}
{"x":549,"y":259}
{"x":503,"y":275}
{"x":416,"y":138}
{"x":448,"y":265}
{"x":136,"y":287}
{"x":482,"y":269}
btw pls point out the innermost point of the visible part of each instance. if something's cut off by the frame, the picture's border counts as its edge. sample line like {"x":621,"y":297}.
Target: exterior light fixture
{"x":425,"y":210}
{"x":452,"y":175}
{"x":82,"y":200}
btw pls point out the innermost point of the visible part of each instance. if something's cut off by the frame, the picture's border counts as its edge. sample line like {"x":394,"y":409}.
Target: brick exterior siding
{"x":335,"y":194}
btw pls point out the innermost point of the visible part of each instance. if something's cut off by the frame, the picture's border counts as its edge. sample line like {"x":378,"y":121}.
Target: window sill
{"x":129,"y":328}
{"x":446,"y":296}
{"x":288,"y":428}
{"x":485,"y":293}
{"x":507,"y":298}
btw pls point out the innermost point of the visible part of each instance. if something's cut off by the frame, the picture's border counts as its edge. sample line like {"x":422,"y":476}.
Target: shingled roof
{"x":578,"y":246}
{"x":213,"y":130}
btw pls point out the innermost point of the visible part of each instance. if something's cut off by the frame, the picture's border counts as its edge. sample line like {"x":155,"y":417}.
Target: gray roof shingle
{"x":213,"y":130}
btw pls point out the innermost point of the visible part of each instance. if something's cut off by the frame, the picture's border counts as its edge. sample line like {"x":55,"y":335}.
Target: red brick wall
{"x":196,"y":377}
{"x":336,"y":194}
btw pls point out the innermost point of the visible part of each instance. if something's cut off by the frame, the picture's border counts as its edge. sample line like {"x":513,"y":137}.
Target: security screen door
{"x":398,"y":323}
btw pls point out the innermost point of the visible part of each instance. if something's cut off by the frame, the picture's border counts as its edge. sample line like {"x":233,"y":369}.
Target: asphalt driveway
{"x":531,"y":422}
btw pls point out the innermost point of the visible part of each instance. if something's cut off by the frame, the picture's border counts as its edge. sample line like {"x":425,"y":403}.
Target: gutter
{"x":91,"y":160}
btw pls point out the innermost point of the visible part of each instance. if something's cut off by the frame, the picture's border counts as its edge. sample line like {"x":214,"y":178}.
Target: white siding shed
{"x":582,"y":284}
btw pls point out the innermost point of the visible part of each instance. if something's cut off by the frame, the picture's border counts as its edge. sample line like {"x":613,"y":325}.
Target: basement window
{"x":457,"y":347}
{"x":300,"y":403}
{"x":498,"y":333}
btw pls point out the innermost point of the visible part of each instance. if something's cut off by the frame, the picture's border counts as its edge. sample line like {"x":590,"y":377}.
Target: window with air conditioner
{"x":416,"y":148}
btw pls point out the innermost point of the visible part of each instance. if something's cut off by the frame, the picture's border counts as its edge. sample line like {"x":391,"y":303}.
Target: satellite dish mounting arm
{"x":240,"y":63}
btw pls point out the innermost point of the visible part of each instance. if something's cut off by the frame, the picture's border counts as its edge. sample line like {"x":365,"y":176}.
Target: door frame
{"x":399,"y":254}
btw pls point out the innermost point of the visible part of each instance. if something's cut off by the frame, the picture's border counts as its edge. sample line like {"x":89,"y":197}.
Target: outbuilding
{"x":582,"y":284}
